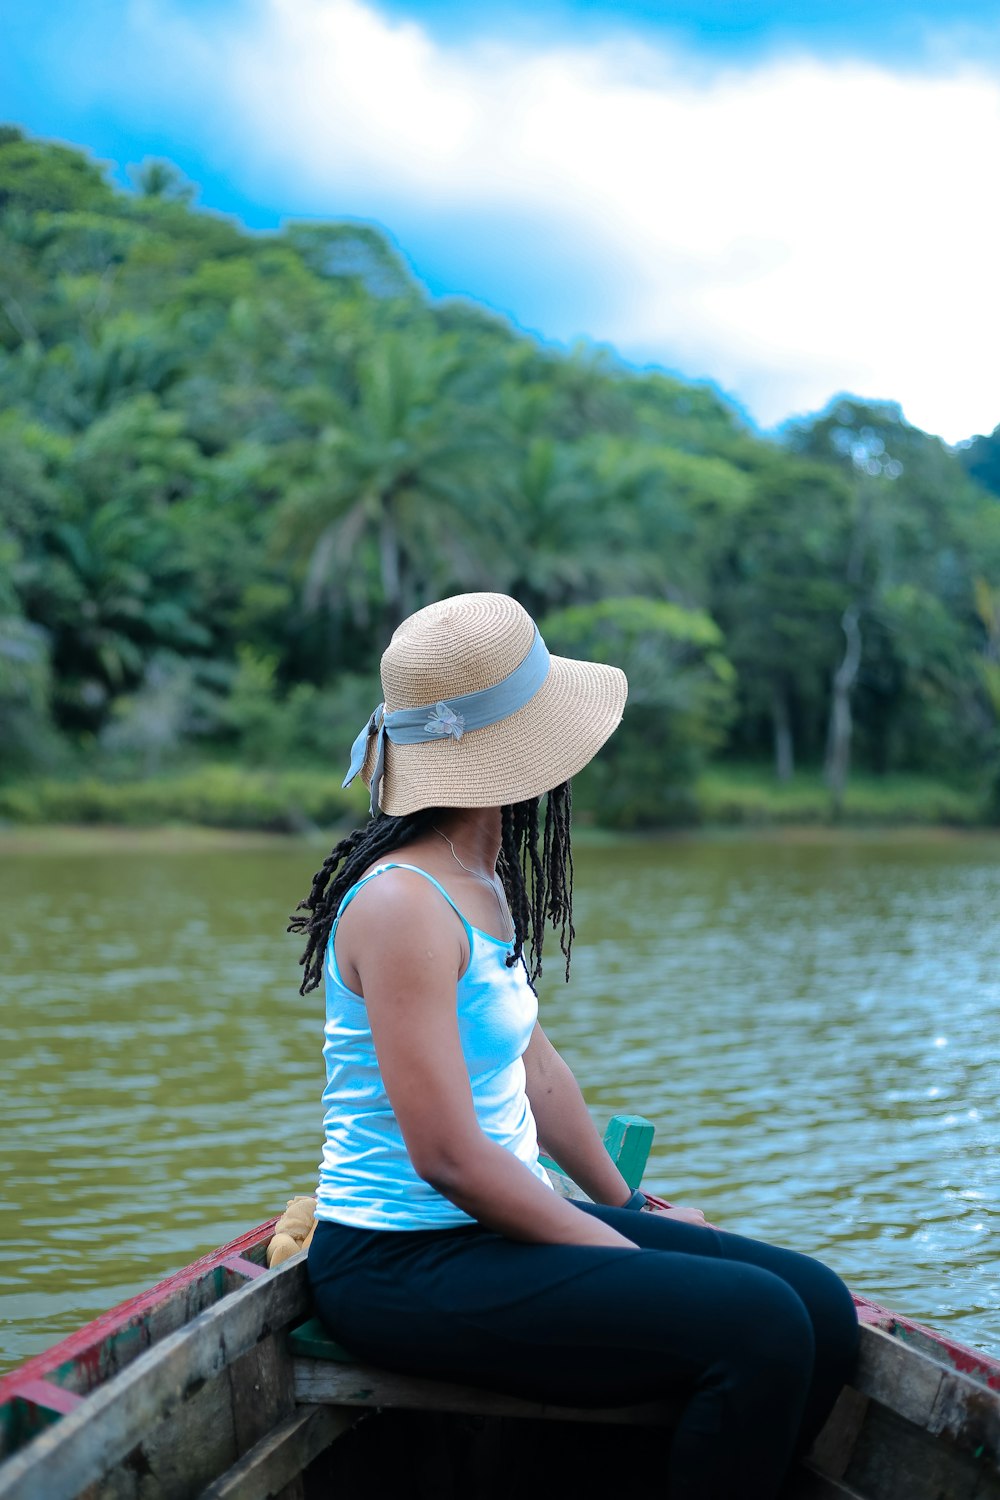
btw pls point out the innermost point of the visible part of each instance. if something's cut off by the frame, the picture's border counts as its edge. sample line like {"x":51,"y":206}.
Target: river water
{"x":810,"y":1020}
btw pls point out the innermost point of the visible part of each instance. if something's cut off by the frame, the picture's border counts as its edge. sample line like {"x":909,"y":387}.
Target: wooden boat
{"x":216,"y":1383}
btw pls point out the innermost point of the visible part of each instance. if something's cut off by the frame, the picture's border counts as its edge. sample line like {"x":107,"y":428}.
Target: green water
{"x":811,"y":1021}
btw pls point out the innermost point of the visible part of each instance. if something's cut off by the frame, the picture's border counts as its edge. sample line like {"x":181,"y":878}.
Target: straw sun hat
{"x":477,"y":713}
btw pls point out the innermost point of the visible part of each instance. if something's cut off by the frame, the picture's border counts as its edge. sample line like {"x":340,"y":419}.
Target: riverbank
{"x":232,"y":799}
{"x":210,"y":796}
{"x":728,"y":794}
{"x":60,"y":840}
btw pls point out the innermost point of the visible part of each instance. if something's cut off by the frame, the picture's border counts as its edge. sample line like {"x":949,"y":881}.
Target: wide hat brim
{"x":549,"y":740}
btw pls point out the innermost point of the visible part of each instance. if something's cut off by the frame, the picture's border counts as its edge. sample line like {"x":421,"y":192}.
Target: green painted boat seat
{"x":311,"y":1341}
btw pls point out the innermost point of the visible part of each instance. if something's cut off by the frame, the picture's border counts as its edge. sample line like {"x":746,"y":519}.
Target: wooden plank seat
{"x":327,"y":1378}
{"x":325,"y":1373}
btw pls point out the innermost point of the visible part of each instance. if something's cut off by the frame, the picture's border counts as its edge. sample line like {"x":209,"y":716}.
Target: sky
{"x":787,"y":199}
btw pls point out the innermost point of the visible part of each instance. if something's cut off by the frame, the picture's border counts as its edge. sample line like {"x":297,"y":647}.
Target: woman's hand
{"x":676,"y":1211}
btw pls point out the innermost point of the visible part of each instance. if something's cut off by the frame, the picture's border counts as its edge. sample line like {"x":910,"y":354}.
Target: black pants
{"x":759,"y":1338}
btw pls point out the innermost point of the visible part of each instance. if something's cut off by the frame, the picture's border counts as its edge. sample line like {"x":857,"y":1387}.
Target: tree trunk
{"x":19,"y":318}
{"x":784,"y":749}
{"x":838,"y":745}
{"x":389,"y":565}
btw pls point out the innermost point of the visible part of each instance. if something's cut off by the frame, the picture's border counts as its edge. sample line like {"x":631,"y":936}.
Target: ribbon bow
{"x":359,"y":750}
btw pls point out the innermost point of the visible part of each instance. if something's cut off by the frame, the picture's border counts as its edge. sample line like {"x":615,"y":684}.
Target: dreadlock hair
{"x":538,"y":885}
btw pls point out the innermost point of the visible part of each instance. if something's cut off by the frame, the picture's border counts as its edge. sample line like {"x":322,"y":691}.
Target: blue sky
{"x":787,"y":199}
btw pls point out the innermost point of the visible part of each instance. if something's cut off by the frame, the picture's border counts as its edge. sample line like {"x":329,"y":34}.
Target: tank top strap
{"x":396,"y":865}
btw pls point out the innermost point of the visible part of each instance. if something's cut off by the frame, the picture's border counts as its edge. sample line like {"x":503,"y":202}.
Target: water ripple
{"x":810,"y":1023}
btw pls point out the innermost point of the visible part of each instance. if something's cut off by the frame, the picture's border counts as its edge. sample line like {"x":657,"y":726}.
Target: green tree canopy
{"x":231,"y":463}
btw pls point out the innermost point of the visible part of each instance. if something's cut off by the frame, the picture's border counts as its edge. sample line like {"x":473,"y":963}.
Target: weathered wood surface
{"x":833,"y":1447}
{"x":106,"y":1429}
{"x":893,"y":1459}
{"x":945,"y":1402}
{"x":911,"y":1426}
{"x":940,"y":1346}
{"x":111,"y":1341}
{"x":282,"y":1454}
{"x":811,"y":1485}
{"x":323,"y":1381}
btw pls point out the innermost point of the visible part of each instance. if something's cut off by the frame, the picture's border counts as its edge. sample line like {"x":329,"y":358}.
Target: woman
{"x":441,"y":1247}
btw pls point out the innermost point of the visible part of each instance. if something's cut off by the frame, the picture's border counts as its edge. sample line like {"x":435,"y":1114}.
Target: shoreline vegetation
{"x":232,"y":463}
{"x":217,"y":805}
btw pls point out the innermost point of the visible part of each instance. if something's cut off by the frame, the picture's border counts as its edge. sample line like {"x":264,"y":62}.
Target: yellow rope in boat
{"x":293,"y":1230}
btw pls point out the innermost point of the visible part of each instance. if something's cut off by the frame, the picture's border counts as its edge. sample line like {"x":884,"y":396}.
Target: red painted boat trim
{"x":243,"y":1267}
{"x":51,"y":1397}
{"x":83,"y":1347}
{"x":975,"y":1362}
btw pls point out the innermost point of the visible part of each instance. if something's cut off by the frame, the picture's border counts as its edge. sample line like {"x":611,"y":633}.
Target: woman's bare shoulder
{"x":395,"y":903}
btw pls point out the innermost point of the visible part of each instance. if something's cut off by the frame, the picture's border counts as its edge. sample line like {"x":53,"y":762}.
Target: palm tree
{"x":400,"y":496}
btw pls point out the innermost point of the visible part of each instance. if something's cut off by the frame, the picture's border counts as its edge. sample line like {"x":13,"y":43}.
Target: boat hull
{"x":209,"y":1385}
{"x":167,"y":1394}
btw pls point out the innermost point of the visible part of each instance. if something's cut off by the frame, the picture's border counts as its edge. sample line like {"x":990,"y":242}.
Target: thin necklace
{"x":508,"y":919}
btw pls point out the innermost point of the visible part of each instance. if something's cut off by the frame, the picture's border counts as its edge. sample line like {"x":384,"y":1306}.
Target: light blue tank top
{"x":366,"y":1177}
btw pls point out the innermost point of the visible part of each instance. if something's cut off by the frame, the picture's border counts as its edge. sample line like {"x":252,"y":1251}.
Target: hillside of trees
{"x":230,"y":463}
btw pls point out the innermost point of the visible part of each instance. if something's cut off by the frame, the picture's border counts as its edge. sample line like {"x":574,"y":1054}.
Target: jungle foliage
{"x":230,"y":463}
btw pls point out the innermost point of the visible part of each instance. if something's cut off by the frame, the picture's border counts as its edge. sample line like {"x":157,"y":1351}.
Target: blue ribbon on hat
{"x":451,"y":717}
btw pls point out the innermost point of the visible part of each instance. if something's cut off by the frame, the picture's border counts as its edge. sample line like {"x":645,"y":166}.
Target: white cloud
{"x":790,"y":228}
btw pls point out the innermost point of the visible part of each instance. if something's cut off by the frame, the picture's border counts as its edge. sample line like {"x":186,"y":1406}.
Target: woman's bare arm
{"x":568,"y":1134}
{"x":566,"y":1131}
{"x":408,"y":949}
